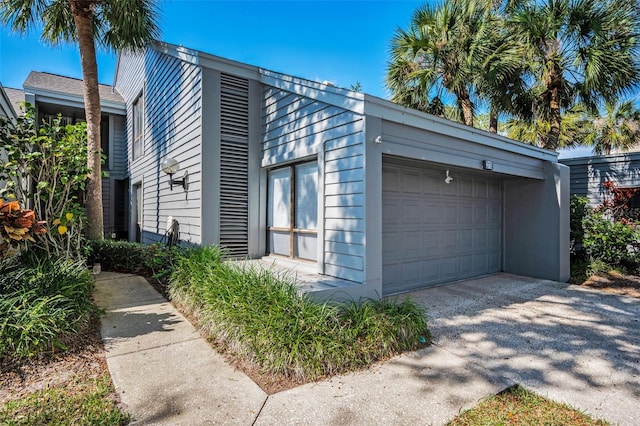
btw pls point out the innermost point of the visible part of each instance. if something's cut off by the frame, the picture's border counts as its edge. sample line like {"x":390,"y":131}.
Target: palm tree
{"x":434,"y":58}
{"x":458,"y":49}
{"x":617,"y":129}
{"x":576,"y":128}
{"x":577,"y":51}
{"x":111,"y":24}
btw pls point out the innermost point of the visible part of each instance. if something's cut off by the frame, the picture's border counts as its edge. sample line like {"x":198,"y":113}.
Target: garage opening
{"x":437,"y":230}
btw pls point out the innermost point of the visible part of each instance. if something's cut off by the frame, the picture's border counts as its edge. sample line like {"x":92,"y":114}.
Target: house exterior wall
{"x":587,"y":174}
{"x":297,"y":127}
{"x":171,"y":93}
{"x":537,"y":225}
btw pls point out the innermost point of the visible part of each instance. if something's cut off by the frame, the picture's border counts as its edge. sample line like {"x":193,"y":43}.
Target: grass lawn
{"x":64,"y":388}
{"x":518,"y":406}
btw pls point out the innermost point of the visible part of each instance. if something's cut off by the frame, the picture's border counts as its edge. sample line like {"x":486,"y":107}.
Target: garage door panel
{"x":411,"y":273}
{"x":430,"y":241}
{"x":465,"y":187}
{"x":449,"y":267}
{"x":480,"y":263}
{"x":411,"y":212}
{"x":411,"y":243}
{"x":435,"y":232}
{"x":431,"y":212}
{"x":465,"y":213}
{"x":411,"y":182}
{"x":480,"y":189}
{"x":391,"y":179}
{"x":494,"y":238}
{"x":431,"y":183}
{"x":494,"y":213}
{"x":449,"y":240}
{"x":494,"y":261}
{"x":430,"y":271}
{"x":450,"y":212}
{"x":465,"y":265}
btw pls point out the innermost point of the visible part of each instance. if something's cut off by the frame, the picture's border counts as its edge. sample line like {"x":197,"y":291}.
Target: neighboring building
{"x":6,"y":107}
{"x":7,"y":111}
{"x":387,"y":198}
{"x":53,"y":94}
{"x":588,"y":174}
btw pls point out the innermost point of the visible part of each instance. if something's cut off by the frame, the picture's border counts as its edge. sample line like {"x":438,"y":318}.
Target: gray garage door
{"x":434,"y":232}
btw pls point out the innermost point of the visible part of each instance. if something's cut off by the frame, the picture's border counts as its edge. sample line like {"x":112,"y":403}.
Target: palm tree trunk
{"x":466,"y":107}
{"x":82,"y":12}
{"x":493,"y":119}
{"x":554,"y":87}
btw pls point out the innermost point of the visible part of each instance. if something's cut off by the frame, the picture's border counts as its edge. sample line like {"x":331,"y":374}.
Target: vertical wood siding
{"x":588,"y":174}
{"x":172,"y":128}
{"x":297,"y":127}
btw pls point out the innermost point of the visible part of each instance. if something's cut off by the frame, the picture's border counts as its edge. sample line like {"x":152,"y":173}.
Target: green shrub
{"x":153,"y":260}
{"x":611,"y":242}
{"x":261,"y":317}
{"x":42,"y":301}
{"x":579,"y":209}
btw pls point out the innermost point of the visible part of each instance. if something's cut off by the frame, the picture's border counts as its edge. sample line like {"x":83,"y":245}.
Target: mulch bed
{"x":614,"y":282}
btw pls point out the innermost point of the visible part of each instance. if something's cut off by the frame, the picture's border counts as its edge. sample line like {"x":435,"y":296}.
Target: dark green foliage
{"x":261,"y":317}
{"x":599,"y":243}
{"x":154,"y":261}
{"x":614,"y":243}
{"x":42,"y":301}
{"x":578,"y":210}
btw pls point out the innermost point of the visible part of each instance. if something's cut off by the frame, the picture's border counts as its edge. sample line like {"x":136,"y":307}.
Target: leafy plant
{"x":47,"y":167}
{"x":42,"y":301}
{"x":615,"y":243}
{"x":17,"y":226}
{"x":261,"y":318}
{"x":578,"y":209}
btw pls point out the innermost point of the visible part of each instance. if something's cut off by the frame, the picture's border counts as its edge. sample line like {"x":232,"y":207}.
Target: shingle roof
{"x":67,"y":85}
{"x":16,"y":97}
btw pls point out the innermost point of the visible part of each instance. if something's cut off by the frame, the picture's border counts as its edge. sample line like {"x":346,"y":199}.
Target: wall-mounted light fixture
{"x":448,"y":179}
{"x":171,"y":166}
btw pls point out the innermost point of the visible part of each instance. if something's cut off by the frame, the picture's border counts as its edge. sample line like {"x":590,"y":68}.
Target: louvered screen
{"x":234,"y":169}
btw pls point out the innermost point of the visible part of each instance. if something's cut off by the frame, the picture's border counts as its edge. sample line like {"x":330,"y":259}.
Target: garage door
{"x":435,"y":232}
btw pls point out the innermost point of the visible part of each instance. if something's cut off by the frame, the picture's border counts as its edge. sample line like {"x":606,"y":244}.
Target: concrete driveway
{"x":566,"y":342}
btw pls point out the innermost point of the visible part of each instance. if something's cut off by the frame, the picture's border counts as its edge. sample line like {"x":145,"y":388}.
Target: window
{"x":138,"y":125}
{"x":293,"y":211}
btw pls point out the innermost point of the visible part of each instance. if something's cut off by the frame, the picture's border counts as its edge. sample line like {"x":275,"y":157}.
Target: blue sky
{"x":341,"y":41}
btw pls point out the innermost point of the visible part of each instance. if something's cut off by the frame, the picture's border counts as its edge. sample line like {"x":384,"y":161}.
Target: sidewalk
{"x":163,"y":370}
{"x":573,"y":345}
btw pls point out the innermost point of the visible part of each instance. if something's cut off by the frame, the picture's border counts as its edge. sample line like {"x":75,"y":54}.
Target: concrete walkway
{"x":573,"y":345}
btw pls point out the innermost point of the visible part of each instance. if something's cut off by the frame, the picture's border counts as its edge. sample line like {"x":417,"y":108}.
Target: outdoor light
{"x":448,"y":179}
{"x":171,"y":166}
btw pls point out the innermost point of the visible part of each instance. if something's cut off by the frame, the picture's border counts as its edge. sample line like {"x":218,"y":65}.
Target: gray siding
{"x":296,"y":127}
{"x":119,"y":164}
{"x":172,"y":128}
{"x":588,"y":174}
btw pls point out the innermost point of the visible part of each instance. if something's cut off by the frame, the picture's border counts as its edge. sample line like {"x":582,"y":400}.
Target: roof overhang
{"x":75,"y":101}
{"x":387,"y":110}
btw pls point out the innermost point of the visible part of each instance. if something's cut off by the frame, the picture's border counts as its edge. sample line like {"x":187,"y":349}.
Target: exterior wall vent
{"x":234,"y":169}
